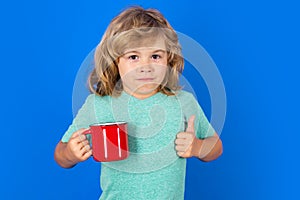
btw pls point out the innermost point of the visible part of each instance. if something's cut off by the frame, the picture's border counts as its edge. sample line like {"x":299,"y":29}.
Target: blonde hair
{"x":137,"y":23}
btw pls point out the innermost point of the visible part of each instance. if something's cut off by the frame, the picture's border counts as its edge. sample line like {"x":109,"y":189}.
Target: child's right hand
{"x":78,"y":148}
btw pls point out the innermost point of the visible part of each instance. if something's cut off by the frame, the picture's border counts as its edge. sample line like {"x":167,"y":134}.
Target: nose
{"x":146,"y":66}
{"x":145,"y":69}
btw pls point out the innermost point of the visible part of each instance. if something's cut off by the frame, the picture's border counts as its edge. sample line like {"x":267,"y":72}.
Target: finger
{"x":85,"y":142}
{"x":82,"y":146}
{"x":78,"y":132}
{"x":74,"y":146}
{"x":75,"y":134}
{"x":79,"y":149}
{"x":82,"y":138}
{"x":83,"y":151}
{"x":79,"y":138}
{"x":180,"y":153}
{"x":190,"y":127}
{"x":85,"y":148}
{"x":180,"y":141}
{"x":181,"y":135}
{"x":179,"y":148}
{"x":185,"y":136}
{"x":87,"y":154}
{"x":184,"y":141}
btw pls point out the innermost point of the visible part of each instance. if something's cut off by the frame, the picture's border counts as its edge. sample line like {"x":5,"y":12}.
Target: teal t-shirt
{"x":153,"y":170}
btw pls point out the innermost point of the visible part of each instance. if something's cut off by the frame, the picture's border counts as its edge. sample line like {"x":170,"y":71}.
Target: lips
{"x":145,"y":79}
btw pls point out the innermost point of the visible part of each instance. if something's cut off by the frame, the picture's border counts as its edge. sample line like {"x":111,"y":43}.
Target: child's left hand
{"x":185,"y":141}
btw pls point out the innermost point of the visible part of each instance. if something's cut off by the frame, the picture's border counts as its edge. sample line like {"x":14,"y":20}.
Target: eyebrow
{"x":135,"y":51}
{"x":159,"y":50}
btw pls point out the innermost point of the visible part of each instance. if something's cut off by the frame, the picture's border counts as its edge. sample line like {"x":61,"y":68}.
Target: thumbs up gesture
{"x":185,"y":141}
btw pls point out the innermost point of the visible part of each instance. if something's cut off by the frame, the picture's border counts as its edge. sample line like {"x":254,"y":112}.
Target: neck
{"x":141,"y":95}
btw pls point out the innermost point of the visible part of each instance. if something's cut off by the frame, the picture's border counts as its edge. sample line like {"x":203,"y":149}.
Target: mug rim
{"x":108,"y":123}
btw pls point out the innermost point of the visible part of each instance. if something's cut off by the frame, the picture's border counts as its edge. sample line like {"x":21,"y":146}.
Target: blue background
{"x":255,"y":45}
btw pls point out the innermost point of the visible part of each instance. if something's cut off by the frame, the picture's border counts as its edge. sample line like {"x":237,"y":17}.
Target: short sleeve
{"x":204,"y":129}
{"x":85,"y":117}
{"x":190,"y":107}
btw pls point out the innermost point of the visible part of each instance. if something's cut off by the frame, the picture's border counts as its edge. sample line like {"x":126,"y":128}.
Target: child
{"x":135,"y":79}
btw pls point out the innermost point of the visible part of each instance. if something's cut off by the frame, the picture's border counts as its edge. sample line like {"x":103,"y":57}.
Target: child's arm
{"x":188,"y":145}
{"x":76,"y":150}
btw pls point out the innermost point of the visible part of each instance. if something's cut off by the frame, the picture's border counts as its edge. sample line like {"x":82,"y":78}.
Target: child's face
{"x":142,"y":70}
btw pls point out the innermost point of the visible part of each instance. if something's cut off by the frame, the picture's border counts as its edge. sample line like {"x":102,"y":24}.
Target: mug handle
{"x":88,"y":132}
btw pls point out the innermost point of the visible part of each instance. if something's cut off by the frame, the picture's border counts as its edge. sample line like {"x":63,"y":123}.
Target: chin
{"x":147,"y":90}
{"x":144,"y":93}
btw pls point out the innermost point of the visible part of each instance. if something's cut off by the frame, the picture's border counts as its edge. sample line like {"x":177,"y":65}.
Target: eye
{"x":156,"y":56}
{"x":133,"y":57}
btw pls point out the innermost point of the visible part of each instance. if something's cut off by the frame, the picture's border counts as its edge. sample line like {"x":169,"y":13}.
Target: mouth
{"x":145,"y":79}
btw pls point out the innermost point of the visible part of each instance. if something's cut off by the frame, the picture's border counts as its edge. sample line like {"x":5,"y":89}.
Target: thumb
{"x":190,"y":128}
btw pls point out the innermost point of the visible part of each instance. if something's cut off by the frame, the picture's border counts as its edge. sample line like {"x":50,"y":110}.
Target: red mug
{"x":109,"y":141}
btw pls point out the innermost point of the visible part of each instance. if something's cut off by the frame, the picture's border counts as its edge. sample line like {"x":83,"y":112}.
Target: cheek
{"x":123,"y":69}
{"x":162,"y":70}
{"x":121,"y":72}
{"x":126,"y":74}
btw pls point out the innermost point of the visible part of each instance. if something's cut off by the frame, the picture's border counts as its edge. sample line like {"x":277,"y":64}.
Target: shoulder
{"x":93,"y":100}
{"x":185,"y":96}
{"x":96,"y":98}
{"x":189,"y":103}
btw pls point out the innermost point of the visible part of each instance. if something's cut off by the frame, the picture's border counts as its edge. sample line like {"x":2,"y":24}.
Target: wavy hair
{"x":129,"y":29}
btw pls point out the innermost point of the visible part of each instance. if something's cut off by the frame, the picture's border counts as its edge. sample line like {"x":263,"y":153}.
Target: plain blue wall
{"x":255,"y":45}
